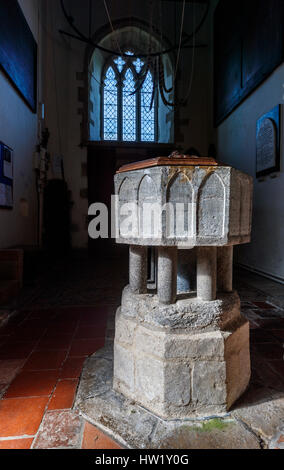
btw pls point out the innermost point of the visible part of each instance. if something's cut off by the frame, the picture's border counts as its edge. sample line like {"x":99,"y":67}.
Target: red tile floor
{"x":42,"y":353}
{"x":44,"y":346}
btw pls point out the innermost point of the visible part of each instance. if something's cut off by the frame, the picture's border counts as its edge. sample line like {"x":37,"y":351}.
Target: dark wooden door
{"x":103,"y":161}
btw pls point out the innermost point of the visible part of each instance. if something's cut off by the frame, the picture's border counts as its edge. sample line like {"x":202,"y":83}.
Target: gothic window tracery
{"x":128,"y":112}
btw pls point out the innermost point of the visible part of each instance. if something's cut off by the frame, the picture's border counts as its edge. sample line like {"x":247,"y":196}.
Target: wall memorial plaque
{"x":268,"y":143}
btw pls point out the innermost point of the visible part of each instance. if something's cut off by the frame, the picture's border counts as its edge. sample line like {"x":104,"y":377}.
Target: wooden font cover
{"x":175,"y":159}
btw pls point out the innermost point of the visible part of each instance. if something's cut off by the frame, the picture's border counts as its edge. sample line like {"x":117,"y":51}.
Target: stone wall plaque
{"x":268,"y":143}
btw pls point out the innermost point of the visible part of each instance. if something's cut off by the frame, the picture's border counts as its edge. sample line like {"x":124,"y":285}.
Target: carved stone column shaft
{"x":206,"y":273}
{"x":167,"y":275}
{"x":138,"y":269}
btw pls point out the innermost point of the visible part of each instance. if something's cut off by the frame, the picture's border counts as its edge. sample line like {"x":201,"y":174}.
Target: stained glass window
{"x":110,"y":106}
{"x":138,"y":64}
{"x":120,"y":63}
{"x":126,"y":114}
{"x":129,"y":108}
{"x":147,"y":114}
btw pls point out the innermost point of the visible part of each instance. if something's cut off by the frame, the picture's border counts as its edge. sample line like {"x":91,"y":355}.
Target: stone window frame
{"x":87,"y":122}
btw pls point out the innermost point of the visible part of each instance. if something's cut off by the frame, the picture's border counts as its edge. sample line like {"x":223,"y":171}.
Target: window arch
{"x":128,"y":115}
{"x":155,"y":126}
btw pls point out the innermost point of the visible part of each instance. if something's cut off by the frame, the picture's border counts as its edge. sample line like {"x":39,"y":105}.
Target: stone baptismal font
{"x":182,"y":355}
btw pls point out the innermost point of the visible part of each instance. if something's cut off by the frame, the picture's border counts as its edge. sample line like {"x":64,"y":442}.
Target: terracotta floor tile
{"x":29,"y":322}
{"x":97,"y":314}
{"x":95,"y":439}
{"x":63,"y":327}
{"x":85,"y":332}
{"x":35,"y":323}
{"x":59,"y":429}
{"x":16,"y":444}
{"x":43,"y":360}
{"x":83,"y":311}
{"x":68,"y":324}
{"x":9,"y":368}
{"x":63,"y":396}
{"x":43,"y":314}
{"x":58,"y":342}
{"x":72,"y":367}
{"x":65,"y":315}
{"x":90,"y":320}
{"x":85,"y":347}
{"x":66,"y":321}
{"x":32,"y":384}
{"x":16,"y":350}
{"x":21,"y":416}
{"x":16,"y":320}
{"x":26,"y":333}
{"x":56,"y":333}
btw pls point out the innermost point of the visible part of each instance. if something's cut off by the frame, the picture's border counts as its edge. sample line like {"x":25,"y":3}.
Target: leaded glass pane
{"x":124,"y":123}
{"x":110,"y":106}
{"x":128,"y":108}
{"x":120,"y":63}
{"x":138,"y":64}
{"x":147,"y":114}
